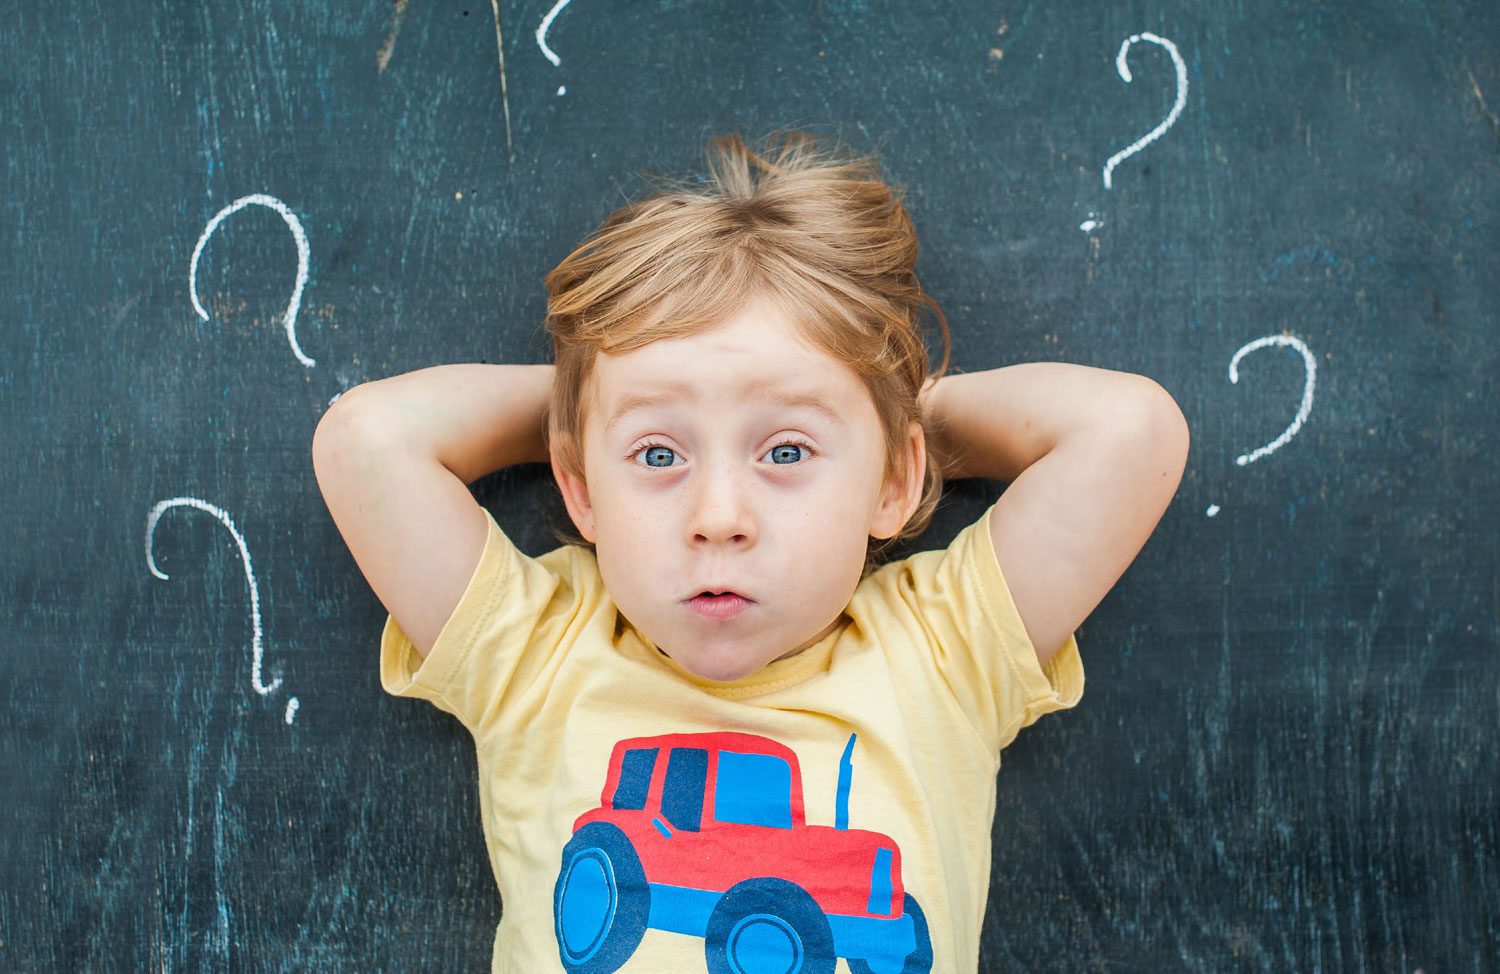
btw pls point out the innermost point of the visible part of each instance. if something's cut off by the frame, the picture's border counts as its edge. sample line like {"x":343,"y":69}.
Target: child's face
{"x":716,"y":490}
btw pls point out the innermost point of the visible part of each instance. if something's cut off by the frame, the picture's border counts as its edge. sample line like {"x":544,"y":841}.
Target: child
{"x":716,"y":733}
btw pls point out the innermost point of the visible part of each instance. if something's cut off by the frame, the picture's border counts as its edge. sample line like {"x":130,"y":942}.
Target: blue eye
{"x":658,"y":450}
{"x":782,"y":453}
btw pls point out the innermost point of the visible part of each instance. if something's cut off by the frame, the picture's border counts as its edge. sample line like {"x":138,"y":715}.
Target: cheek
{"x":627,"y":504}
{"x":629,"y":524}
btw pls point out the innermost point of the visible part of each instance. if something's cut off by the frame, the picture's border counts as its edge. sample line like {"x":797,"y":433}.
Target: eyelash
{"x":792,"y":439}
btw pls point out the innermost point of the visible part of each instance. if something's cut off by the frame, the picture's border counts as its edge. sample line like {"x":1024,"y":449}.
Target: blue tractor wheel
{"x":768,"y":926}
{"x":919,"y":961}
{"x":601,"y":902}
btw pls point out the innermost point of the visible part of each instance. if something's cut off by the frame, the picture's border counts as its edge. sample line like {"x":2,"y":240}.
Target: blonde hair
{"x":817,"y":232}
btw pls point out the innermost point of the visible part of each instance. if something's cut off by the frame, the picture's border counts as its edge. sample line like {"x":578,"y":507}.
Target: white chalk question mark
{"x":1310,"y":365}
{"x":255,"y":651}
{"x":541,"y":39}
{"x":302,"y":252}
{"x":1166,"y":123}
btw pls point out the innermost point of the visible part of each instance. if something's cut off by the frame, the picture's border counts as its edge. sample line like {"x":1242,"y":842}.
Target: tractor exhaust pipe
{"x":846,"y":772}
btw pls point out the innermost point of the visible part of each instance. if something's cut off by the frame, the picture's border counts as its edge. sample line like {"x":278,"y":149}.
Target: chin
{"x":722,"y":670}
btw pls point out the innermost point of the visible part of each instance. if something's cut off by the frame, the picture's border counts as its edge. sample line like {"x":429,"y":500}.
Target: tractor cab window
{"x":635,"y":778}
{"x":682,"y":792}
{"x":753,"y":789}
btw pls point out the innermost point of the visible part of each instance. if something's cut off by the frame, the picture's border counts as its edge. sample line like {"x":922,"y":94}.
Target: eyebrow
{"x":804,"y":400}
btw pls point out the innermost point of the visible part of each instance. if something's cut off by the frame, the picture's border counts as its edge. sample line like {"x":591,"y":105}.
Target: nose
{"x":720,"y":510}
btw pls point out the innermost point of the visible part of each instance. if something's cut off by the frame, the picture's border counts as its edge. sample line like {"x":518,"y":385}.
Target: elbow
{"x":1160,"y":422}
{"x":343,"y":421}
{"x":328,"y":439}
{"x":334,"y":419}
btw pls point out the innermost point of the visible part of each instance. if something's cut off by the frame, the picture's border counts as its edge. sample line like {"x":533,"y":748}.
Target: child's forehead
{"x":714,"y":365}
{"x":763,"y":394}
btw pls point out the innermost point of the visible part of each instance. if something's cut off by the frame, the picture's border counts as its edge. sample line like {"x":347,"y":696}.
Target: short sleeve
{"x":480,"y":647}
{"x":962,"y":603}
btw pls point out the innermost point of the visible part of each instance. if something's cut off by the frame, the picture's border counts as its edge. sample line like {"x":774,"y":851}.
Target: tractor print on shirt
{"x":704,"y":834}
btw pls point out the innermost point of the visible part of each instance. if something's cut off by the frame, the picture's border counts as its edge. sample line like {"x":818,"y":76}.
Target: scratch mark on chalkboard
{"x":1080,"y":849}
{"x":125,"y":310}
{"x":1483,"y":106}
{"x":1305,"y":129}
{"x":504,"y":98}
{"x":1439,"y":317}
{"x":220,"y":854}
{"x":298,"y":236}
{"x":255,"y":647}
{"x":383,"y":57}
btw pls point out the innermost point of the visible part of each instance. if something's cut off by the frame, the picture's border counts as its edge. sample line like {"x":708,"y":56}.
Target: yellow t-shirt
{"x":836,"y":804}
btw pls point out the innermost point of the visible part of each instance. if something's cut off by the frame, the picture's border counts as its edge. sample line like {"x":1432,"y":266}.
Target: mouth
{"x":722,"y":605}
{"x":718,"y":593}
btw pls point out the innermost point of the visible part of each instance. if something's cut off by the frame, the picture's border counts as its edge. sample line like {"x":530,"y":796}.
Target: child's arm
{"x":393,"y":459}
{"x":1093,"y":458}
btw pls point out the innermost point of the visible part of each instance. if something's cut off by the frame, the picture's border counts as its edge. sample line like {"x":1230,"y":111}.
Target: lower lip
{"x":720,"y":607}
